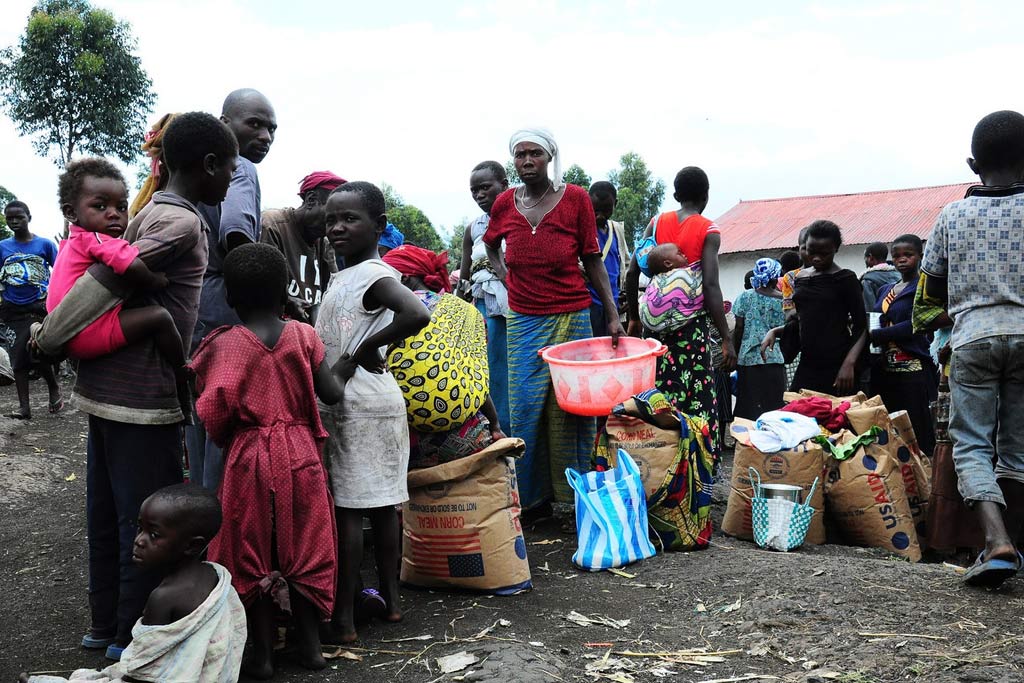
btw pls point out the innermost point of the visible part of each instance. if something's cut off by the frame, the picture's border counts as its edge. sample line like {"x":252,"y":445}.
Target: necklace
{"x":522,"y":198}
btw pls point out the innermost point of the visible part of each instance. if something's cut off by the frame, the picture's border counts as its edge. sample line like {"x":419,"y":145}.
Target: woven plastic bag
{"x":611,"y":516}
{"x":779,"y":524}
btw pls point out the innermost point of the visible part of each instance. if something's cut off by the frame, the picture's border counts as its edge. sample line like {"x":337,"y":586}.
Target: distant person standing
{"x":25,"y":263}
{"x":760,"y":381}
{"x":300,"y":234}
{"x":486,"y":182}
{"x":233,"y":222}
{"x":880,"y":273}
{"x":611,"y":238}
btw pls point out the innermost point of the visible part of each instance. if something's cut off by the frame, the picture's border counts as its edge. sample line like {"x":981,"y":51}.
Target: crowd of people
{"x":266,"y":333}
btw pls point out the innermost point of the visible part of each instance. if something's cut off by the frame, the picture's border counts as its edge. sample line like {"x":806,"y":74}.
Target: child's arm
{"x":411,"y":316}
{"x":491,"y":413}
{"x":329,"y":383}
{"x":139,"y":275}
{"x":160,"y":607}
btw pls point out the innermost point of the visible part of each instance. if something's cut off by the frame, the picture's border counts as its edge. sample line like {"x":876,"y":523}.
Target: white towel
{"x":777,"y":430}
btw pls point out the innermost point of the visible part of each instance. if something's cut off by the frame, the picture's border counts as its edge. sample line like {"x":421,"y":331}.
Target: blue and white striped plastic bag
{"x":611,"y":516}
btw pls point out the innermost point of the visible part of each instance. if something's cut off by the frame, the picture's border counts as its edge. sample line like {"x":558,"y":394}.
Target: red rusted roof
{"x":864,"y":217}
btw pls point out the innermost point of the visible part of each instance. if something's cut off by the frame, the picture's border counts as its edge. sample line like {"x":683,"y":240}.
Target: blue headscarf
{"x":765,"y":270}
{"x":391,"y":238}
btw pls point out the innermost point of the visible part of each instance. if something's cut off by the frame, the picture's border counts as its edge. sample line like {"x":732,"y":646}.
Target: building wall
{"x":732,"y":267}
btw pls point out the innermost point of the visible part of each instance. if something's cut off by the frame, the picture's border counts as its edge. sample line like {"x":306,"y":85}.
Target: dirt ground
{"x":819,"y":614}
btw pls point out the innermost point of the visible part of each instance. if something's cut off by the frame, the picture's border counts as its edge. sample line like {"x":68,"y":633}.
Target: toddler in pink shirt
{"x":94,"y":200}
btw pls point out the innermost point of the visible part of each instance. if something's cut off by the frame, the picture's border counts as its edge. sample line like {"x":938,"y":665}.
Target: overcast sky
{"x":771,"y":99}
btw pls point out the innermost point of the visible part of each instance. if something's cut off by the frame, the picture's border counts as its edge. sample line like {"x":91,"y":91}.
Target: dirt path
{"x":821,"y":614}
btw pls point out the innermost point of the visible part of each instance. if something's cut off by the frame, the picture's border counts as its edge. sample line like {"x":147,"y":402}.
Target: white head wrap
{"x":544,"y":138}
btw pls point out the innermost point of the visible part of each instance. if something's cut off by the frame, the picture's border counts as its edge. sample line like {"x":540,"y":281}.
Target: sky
{"x":771,"y":99}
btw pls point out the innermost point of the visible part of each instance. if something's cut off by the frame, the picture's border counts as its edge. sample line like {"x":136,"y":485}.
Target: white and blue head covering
{"x":544,"y":138}
{"x":765,"y":270}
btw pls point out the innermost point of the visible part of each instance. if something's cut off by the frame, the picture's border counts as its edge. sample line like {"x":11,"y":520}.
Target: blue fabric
{"x":497,"y":361}
{"x":391,"y":238}
{"x":766,"y":270}
{"x":612,"y":263}
{"x":239,"y":212}
{"x":117,"y":481}
{"x":900,"y":328}
{"x":25,"y":279}
{"x":554,"y":439}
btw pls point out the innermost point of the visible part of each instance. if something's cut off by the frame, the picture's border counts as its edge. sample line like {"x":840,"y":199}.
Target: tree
{"x":73,"y":83}
{"x":639,"y":195}
{"x":413,"y":223}
{"x":512,"y":173}
{"x":577,"y":176}
{"x":6,"y":196}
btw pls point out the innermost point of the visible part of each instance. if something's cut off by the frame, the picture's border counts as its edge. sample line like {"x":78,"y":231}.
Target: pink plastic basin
{"x":591,"y":378}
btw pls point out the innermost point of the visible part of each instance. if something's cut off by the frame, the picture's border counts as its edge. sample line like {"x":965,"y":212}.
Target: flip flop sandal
{"x":992,"y":573}
{"x":18,"y":416}
{"x":371,"y":605}
{"x":114,"y":653}
{"x":57,"y":406}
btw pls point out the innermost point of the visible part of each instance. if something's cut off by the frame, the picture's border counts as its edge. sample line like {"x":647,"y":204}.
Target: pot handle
{"x":661,"y":350}
{"x":540,"y":351}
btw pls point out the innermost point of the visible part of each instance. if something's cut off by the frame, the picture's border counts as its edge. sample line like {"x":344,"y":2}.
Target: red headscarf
{"x":324,"y":179}
{"x":414,"y":261}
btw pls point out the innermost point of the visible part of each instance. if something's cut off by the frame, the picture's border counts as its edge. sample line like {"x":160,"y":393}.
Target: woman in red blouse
{"x":547,"y":228}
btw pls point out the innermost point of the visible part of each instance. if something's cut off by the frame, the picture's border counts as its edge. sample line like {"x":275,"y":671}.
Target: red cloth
{"x":543,"y":268}
{"x":260,"y":405}
{"x":324,"y":179}
{"x":832,"y":419}
{"x":688,"y":235}
{"x":413,"y":261}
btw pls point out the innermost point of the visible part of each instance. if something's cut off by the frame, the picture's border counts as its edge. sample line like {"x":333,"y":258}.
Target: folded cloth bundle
{"x":778,"y":430}
{"x":820,"y":408}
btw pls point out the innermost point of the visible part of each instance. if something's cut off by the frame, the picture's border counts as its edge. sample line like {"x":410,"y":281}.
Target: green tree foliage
{"x":413,"y":223}
{"x":512,"y":173}
{"x":577,"y":176}
{"x":74,"y":83}
{"x":5,"y":197}
{"x":640,"y":195}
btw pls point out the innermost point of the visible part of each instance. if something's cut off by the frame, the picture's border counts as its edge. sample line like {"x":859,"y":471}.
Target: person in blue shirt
{"x":25,"y":263}
{"x":611,"y":238}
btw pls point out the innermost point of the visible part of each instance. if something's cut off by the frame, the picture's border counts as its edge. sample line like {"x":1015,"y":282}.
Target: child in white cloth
{"x":193,"y":627}
{"x":365,"y":309}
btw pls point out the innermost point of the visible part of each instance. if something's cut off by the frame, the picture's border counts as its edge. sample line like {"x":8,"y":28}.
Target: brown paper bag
{"x":797,"y":466}
{"x":652,"y":448}
{"x":461,"y":524}
{"x":868,"y":501}
{"x":914,"y":468}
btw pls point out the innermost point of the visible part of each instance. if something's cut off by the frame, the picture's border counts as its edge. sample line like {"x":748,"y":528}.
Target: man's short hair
{"x":998,"y":141}
{"x":190,"y":137}
{"x":18,"y":204}
{"x":496,"y":169}
{"x":197,"y":510}
{"x":878,"y":251}
{"x":255,"y":276}
{"x":603,"y":188}
{"x":790,"y":260}
{"x":691,"y":184}
{"x":69,"y":184}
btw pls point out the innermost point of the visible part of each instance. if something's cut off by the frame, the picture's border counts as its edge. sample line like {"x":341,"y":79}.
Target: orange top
{"x":688,"y":234}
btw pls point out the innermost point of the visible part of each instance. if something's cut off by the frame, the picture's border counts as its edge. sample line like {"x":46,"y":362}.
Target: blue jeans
{"x":497,"y":361}
{"x":597,"y":322}
{"x":205,"y":458}
{"x":986,"y":420}
{"x":125,"y":464}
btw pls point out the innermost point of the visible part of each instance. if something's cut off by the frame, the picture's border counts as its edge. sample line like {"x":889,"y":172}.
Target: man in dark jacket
{"x":879,"y":273}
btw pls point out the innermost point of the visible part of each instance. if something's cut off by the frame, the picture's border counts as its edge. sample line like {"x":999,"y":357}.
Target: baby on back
{"x":675,"y":293}
{"x":193,"y":627}
{"x":665,"y":257}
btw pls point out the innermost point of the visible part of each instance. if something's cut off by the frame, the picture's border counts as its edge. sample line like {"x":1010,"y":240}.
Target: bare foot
{"x":1001,"y":551}
{"x":341,"y":633}
{"x":393,"y":616}
{"x":309,"y":657}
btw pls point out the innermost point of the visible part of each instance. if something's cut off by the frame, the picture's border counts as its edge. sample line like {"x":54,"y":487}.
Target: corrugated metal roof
{"x":864,"y":217}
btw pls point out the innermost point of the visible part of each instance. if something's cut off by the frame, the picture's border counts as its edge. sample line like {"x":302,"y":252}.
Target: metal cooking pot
{"x":794,"y":494}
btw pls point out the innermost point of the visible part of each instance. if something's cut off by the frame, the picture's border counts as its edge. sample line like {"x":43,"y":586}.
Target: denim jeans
{"x":205,"y":458}
{"x":987,"y":420}
{"x":126,"y":463}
